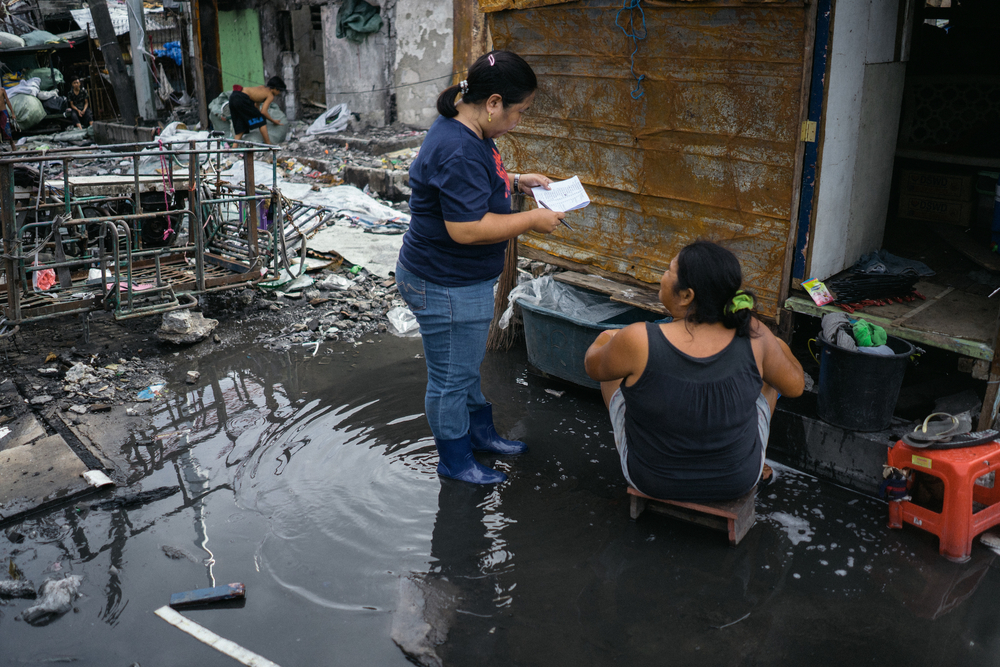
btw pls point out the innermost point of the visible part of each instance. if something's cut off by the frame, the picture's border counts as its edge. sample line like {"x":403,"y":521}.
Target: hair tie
{"x":464,"y":86}
{"x":493,"y":60}
{"x":742,"y":301}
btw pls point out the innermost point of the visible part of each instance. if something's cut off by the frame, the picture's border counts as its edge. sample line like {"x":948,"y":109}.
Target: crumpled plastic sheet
{"x":403,"y":323}
{"x":565,"y":299}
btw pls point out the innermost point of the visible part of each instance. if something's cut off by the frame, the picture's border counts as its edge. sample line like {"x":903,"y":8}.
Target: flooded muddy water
{"x":311,"y":479}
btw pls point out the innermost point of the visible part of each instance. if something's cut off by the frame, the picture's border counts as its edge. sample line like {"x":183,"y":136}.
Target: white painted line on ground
{"x":202,"y":634}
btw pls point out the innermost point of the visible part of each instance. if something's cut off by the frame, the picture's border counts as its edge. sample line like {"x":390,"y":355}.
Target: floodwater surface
{"x":311,"y":479}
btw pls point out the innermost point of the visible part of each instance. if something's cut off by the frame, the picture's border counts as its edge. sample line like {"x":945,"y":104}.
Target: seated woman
{"x":691,"y":400}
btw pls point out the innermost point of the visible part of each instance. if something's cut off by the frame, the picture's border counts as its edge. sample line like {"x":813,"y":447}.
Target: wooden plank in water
{"x":640,"y":297}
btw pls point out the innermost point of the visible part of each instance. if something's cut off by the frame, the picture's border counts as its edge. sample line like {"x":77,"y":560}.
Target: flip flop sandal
{"x":960,"y":440}
{"x":934,"y":430}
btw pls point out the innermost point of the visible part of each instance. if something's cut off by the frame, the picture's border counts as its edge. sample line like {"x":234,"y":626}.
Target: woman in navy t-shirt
{"x":454,"y":251}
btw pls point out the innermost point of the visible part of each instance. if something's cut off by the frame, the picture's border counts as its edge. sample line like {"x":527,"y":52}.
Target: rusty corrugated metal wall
{"x":710,"y":150}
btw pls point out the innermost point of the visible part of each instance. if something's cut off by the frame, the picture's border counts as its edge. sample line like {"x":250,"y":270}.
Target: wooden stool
{"x":731,"y":516}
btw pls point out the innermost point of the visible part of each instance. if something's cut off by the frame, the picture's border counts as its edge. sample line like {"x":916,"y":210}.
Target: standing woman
{"x":453,"y":252}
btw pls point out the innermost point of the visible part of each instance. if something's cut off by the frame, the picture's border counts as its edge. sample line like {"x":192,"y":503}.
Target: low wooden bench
{"x":731,"y":516}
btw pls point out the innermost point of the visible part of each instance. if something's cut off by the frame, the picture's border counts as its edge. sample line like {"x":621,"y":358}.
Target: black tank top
{"x":691,"y":423}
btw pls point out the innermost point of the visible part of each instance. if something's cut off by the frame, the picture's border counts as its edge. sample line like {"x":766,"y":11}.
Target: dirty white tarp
{"x":155,"y":18}
{"x":376,"y":252}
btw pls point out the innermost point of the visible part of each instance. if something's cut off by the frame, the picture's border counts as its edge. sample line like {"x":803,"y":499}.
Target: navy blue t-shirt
{"x":456,"y":177}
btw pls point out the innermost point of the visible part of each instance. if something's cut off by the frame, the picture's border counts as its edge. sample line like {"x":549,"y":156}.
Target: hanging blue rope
{"x":632,"y":6}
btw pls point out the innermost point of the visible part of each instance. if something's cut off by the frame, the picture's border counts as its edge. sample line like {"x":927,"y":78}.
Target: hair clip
{"x":464,"y":86}
{"x":493,"y":60}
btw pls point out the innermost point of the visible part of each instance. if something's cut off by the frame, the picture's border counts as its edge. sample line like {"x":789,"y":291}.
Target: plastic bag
{"x":28,"y":109}
{"x":332,"y":120}
{"x":9,"y":41}
{"x":403,"y":323}
{"x":573,"y":302}
{"x":44,"y":279}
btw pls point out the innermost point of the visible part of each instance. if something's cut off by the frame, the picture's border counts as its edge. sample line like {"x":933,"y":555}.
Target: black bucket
{"x":858,"y":391}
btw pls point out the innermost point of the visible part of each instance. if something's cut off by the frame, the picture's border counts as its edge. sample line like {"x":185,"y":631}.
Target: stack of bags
{"x":855,"y":335}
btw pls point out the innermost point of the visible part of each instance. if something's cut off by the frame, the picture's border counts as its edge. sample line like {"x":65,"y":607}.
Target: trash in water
{"x":135,"y":499}
{"x":177,"y":553}
{"x":235,"y":591}
{"x":97,"y":479}
{"x":554,"y":392}
{"x":57,"y":598}
{"x":150,"y":392}
{"x":10,"y":588}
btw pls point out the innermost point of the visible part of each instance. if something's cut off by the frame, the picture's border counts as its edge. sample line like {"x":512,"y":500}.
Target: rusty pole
{"x":199,"y":72}
{"x":7,"y":221}
{"x":112,"y":53}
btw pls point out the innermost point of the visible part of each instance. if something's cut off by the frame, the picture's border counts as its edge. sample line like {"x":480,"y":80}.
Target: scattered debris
{"x":10,"y":588}
{"x":97,"y":479}
{"x":232,"y":649}
{"x":235,"y":591}
{"x":136,"y":499}
{"x":192,"y":377}
{"x":176,"y":553}
{"x":555,"y":392}
{"x":57,"y":597}
{"x":184,"y":326}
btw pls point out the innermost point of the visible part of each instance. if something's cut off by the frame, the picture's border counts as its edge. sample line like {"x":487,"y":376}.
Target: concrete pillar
{"x":290,"y":74}
{"x":140,"y":63}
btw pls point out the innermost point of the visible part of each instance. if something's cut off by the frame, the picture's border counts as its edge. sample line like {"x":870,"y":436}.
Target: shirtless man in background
{"x":244,"y":103}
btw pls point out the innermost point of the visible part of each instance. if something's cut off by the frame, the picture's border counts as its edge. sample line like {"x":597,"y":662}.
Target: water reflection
{"x":316,"y":484}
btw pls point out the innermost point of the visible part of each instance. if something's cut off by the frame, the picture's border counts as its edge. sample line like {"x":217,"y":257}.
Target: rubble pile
{"x":83,"y":383}
{"x":339,"y":306}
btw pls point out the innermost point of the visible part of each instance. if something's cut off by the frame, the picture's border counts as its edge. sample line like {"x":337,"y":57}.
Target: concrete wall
{"x":860,"y":122}
{"x":423,"y":54}
{"x":358,"y":74}
{"x":309,"y":46}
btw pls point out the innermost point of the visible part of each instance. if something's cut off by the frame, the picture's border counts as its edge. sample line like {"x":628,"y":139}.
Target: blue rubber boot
{"x":455,"y":460}
{"x":485,"y":437}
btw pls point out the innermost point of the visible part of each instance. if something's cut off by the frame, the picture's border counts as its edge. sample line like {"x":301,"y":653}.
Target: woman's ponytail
{"x":446,"y":101}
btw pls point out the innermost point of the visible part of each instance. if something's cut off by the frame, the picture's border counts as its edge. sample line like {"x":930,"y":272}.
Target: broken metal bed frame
{"x":218,"y":244}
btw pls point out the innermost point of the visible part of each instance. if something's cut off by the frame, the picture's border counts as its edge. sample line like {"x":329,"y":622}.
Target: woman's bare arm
{"x":494,"y":228}
{"x":617,"y":354}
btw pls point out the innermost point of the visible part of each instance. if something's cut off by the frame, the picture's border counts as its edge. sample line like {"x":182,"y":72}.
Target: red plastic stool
{"x":956,"y":526}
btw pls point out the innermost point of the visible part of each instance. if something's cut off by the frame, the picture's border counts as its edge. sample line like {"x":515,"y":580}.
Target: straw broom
{"x":502,"y":339}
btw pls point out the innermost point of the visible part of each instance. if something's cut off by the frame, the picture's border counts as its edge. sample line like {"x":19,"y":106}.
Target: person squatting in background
{"x":248,"y":107}
{"x":453,"y":252}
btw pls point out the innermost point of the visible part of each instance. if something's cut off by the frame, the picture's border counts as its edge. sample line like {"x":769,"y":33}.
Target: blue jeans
{"x":454,"y":324}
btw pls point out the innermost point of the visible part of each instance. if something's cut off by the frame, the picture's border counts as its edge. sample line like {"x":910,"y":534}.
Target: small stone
{"x":216,"y":339}
{"x":40,"y":400}
{"x":312,"y":325}
{"x":78,"y":409}
{"x":192,"y":377}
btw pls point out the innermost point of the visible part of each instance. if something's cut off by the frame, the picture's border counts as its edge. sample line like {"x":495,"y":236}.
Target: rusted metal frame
{"x":8,"y":220}
{"x":156,"y":309}
{"x":199,"y":233}
{"x":785,"y":329}
{"x":67,"y":192}
{"x":251,"y":190}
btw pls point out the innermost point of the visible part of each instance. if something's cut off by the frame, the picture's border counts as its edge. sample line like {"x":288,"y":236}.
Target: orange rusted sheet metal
{"x":498,"y":5}
{"x":710,"y":150}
